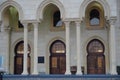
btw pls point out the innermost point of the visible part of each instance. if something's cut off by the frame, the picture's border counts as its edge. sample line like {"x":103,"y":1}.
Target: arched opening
{"x":57,"y":57}
{"x":94,"y":16}
{"x":11,"y":18}
{"x":56,"y":19}
{"x":95,"y":57}
{"x":18,"y":59}
{"x":52,"y":16}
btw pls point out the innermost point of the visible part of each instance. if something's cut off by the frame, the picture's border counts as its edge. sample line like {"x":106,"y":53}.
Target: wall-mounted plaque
{"x":41,"y":59}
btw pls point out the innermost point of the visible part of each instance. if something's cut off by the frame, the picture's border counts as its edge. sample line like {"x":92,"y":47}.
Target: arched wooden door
{"x":18,"y":60}
{"x":95,"y":57}
{"x":57,"y":58}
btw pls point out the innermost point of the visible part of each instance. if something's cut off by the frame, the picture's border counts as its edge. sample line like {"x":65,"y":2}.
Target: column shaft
{"x":78,"y":40}
{"x":25,"y":71}
{"x":35,"y":48}
{"x":112,"y":49}
{"x":67,"y":48}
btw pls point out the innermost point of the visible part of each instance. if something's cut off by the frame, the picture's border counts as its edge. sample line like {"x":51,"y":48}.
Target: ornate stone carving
{"x":113,"y":20}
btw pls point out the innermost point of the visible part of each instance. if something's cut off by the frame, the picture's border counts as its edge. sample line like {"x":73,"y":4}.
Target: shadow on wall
{"x":118,"y":70}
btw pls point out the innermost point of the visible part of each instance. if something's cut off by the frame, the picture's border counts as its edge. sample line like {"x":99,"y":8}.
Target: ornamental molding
{"x":30,"y":21}
{"x":72,"y":20}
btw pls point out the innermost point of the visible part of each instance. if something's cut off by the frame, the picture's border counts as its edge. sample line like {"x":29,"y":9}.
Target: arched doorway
{"x":57,"y":57}
{"x":95,"y":57}
{"x":18,"y":59}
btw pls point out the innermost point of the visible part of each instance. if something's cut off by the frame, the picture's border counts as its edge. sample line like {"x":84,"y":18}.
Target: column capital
{"x":35,"y":24}
{"x":78,"y":22}
{"x":113,"y":20}
{"x":66,"y":22}
{"x":25,"y":24}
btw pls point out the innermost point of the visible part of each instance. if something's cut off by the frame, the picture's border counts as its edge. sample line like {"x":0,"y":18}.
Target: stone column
{"x":112,"y":46}
{"x":25,"y":71}
{"x":35,"y":48}
{"x":78,"y":40}
{"x":67,"y":47}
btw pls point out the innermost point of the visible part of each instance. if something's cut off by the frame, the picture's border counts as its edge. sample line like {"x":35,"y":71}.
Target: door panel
{"x":54,"y":65}
{"x":96,"y":64}
{"x":58,"y":65}
{"x":18,"y":65}
{"x":62,"y":65}
{"x":101,"y":64}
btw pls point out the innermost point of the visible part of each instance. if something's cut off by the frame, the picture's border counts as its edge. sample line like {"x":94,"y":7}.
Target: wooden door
{"x":18,"y":64}
{"x":57,"y":65}
{"x":18,"y":60}
{"x":57,"y":58}
{"x":95,"y":57}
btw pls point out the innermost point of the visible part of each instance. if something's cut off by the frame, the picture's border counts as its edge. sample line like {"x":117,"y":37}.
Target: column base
{"x":113,"y":73}
{"x":67,"y":72}
{"x":35,"y":73}
{"x":25,"y":73}
{"x":79,"y":73}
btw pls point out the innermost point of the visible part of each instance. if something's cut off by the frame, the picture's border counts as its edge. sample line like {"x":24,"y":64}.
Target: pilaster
{"x":112,"y":46}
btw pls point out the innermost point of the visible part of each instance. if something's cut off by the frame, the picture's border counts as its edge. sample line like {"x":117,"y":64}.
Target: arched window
{"x":95,"y":46}
{"x":19,"y":49}
{"x":94,"y":16}
{"x":57,"y":47}
{"x":56,"y":19}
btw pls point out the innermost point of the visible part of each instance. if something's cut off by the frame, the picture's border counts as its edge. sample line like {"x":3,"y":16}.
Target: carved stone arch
{"x":52,"y":40}
{"x":40,"y":9}
{"x":104,"y":4}
{"x":21,"y":39}
{"x":95,"y":37}
{"x":14,"y":4}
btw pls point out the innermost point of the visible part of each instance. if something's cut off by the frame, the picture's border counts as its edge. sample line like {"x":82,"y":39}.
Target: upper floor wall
{"x":34,"y":9}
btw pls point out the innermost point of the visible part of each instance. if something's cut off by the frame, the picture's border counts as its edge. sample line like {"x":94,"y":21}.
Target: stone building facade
{"x":59,"y":36}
